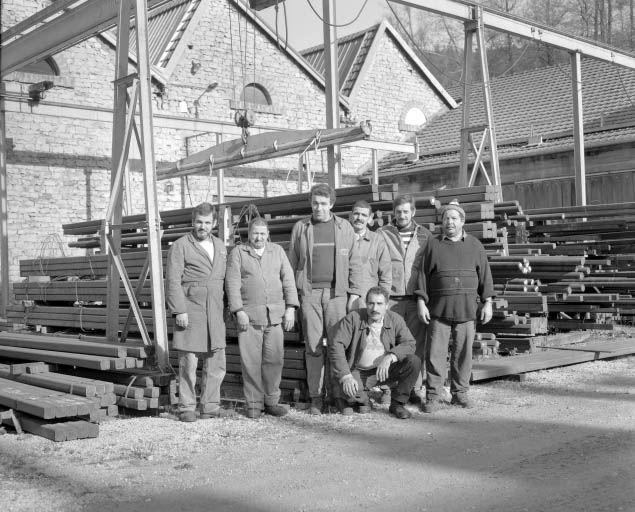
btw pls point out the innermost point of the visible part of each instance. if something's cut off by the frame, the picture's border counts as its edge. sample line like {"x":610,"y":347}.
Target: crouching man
{"x":372,"y":347}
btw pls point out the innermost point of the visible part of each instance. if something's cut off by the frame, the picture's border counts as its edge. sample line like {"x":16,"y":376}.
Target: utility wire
{"x":337,"y":25}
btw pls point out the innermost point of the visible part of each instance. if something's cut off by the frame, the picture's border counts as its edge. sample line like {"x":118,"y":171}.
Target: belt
{"x":400,"y":298}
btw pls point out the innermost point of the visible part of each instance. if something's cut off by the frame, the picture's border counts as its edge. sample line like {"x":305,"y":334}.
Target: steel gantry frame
{"x":56,"y":28}
{"x":68,"y":22}
{"x":476,"y":18}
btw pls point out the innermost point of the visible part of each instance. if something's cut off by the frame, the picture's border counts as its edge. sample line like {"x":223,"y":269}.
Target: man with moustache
{"x":372,"y":346}
{"x":195,"y":276}
{"x":375,"y":258}
{"x":323,"y":255}
{"x":406,"y":240}
{"x":261,"y":293}
{"x":454,"y":277}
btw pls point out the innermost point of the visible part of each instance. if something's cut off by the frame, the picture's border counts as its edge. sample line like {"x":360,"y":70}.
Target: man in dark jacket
{"x":371,"y":347}
{"x":455,"y":274}
{"x":328,"y":275}
{"x":195,"y":276}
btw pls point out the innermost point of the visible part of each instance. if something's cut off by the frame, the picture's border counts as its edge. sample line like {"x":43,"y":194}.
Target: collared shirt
{"x":446,"y":237}
{"x":208,"y":245}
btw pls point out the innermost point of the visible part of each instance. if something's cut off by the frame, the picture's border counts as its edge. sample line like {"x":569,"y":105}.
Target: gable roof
{"x":539,"y":103}
{"x":355,"y":54}
{"x":169,"y":24}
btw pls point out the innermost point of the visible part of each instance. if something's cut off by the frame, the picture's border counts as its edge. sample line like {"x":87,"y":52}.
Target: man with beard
{"x":261,"y":293}
{"x":406,"y":240}
{"x":455,"y":274}
{"x":195,"y":276}
{"x":370,"y":347}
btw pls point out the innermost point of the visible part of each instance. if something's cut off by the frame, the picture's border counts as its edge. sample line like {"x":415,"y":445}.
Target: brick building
{"x":209,"y":59}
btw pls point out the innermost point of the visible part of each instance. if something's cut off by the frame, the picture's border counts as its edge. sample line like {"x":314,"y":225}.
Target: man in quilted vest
{"x":455,"y":275}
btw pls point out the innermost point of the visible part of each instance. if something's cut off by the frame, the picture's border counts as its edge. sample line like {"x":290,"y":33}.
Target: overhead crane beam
{"x":41,"y":36}
{"x":516,"y":26}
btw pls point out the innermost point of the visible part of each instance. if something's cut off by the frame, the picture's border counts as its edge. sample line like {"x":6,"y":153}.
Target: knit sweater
{"x":455,"y":274}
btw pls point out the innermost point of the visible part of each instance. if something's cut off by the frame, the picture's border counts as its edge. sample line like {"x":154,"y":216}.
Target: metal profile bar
{"x":140,"y":284}
{"x":478,"y":164}
{"x":466,"y":105}
{"x":76,"y":25}
{"x":489,"y":110}
{"x":262,"y":147}
{"x":121,"y":130}
{"x":375,"y":164}
{"x":331,"y":78}
{"x":514,"y":25}
{"x":116,"y":257}
{"x":150,"y":187}
{"x":115,"y":192}
{"x":56,"y":8}
{"x":578,"y":130}
{"x":4,"y":211}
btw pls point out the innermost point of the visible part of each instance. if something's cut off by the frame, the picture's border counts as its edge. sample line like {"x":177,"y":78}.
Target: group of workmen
{"x":379,"y":310}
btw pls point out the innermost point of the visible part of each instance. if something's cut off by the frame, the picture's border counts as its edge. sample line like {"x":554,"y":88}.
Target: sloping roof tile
{"x":538,"y":102}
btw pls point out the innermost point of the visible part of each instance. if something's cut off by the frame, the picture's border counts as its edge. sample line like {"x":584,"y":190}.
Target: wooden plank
{"x":484,"y":370}
{"x":83,"y":360}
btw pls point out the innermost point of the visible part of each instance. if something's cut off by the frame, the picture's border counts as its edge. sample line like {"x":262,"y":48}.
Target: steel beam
{"x":68,"y":29}
{"x":4,"y":211}
{"x":332,"y":88}
{"x":516,"y":26}
{"x":150,"y":189}
{"x":578,"y":130}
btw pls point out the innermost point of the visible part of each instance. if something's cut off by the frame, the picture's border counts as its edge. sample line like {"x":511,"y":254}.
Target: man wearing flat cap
{"x":455,"y":276}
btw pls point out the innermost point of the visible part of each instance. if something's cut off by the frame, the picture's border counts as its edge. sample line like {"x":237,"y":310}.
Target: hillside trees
{"x":439,"y":40}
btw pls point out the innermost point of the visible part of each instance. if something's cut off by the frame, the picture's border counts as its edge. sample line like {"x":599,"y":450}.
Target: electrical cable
{"x":336,"y":24}
{"x":420,"y":50}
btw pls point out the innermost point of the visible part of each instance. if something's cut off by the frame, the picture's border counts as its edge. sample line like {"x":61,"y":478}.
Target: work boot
{"x":431,"y":406}
{"x":276,"y":410}
{"x":188,"y":416}
{"x":462,"y":401}
{"x":253,"y":412}
{"x":415,"y":398}
{"x":316,"y":406}
{"x":363,"y":408}
{"x":385,"y":397}
{"x":399,"y":411}
{"x":343,"y":407}
{"x":218,"y":413}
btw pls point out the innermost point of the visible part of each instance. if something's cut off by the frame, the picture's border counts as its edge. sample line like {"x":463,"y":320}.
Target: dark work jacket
{"x":349,"y":340}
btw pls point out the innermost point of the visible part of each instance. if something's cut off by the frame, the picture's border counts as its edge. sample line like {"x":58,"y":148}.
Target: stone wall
{"x":58,"y":163}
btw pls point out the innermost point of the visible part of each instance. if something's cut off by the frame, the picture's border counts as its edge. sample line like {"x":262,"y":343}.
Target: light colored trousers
{"x":321,"y":311}
{"x":212,"y":375}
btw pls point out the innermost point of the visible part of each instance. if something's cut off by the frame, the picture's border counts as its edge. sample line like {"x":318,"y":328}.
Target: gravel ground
{"x":562,"y":440}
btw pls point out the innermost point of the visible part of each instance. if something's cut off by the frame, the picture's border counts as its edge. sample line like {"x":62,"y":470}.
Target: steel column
{"x":150,"y":188}
{"x":578,"y":130}
{"x":4,"y":211}
{"x":331,"y":76}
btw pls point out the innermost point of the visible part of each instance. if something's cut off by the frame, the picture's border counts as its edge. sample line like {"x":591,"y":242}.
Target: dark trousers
{"x":401,"y":377}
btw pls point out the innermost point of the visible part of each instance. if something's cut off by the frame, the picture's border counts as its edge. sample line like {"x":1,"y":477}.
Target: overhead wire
{"x":338,"y":25}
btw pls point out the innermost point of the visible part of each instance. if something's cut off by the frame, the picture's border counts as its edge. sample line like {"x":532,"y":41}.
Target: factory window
{"x":42,"y":67}
{"x":255,"y":94}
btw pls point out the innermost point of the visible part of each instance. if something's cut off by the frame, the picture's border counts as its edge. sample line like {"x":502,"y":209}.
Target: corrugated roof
{"x":351,"y":53}
{"x":538,"y":101}
{"x":166,"y":24}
